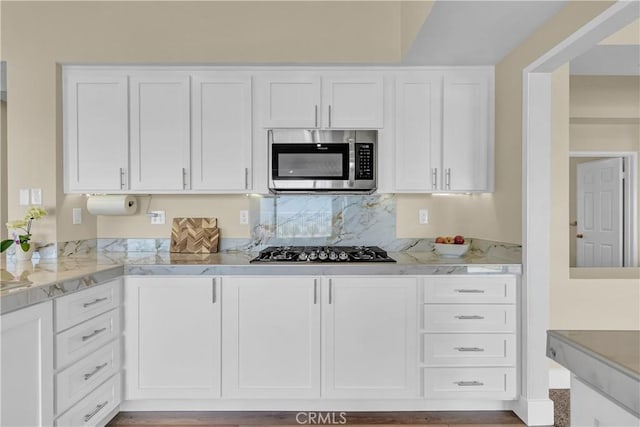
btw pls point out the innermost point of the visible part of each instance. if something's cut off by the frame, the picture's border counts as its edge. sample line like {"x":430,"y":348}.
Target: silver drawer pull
{"x":95,"y":411}
{"x":95,"y":301}
{"x":469,"y":348}
{"x":469,"y":291}
{"x":93,"y":334}
{"x":468,"y":383}
{"x":95,"y":371}
{"x":474,"y":317}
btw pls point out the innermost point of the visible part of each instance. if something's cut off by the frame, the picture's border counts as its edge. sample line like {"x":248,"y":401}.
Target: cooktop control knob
{"x":302,"y":256}
{"x":333,"y":256}
{"x":313,"y":256}
{"x":322,"y":255}
{"x":343,"y":256}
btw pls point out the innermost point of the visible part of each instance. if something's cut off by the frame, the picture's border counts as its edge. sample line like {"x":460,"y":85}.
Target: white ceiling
{"x":477,"y":32}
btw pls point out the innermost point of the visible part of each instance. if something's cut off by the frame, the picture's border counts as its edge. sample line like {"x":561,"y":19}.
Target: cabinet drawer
{"x":91,"y":410}
{"x":83,"y":339}
{"x":80,"y":378}
{"x":469,"y":318}
{"x":470,"y":383}
{"x":481,"y":290}
{"x":469,"y":349}
{"x":78,"y":307}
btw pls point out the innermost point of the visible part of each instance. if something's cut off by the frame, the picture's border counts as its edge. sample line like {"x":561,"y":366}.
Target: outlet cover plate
{"x":157,"y":218}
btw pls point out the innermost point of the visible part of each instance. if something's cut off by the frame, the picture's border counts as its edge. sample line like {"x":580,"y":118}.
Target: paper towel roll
{"x":112,"y":205}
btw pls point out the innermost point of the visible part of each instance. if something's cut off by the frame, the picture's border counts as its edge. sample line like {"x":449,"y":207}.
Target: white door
{"x":172,"y":338}
{"x":26,"y":372}
{"x":353,"y":102}
{"x":418,"y":131}
{"x":292,"y":101}
{"x":96,"y":131}
{"x":465,"y":133}
{"x":369,"y":338}
{"x":160,"y":131}
{"x":221,"y":129}
{"x":271,"y":337}
{"x":599,"y":213}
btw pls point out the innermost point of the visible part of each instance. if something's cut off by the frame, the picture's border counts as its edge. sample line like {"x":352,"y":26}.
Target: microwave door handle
{"x":352,"y":164}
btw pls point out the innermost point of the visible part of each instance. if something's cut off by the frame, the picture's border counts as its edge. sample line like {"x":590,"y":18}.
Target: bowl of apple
{"x":451,"y":247}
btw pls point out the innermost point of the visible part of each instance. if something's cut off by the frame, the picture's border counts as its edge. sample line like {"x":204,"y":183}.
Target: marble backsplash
{"x":303,"y":220}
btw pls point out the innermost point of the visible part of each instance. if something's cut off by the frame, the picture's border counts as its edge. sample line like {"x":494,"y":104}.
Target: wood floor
{"x":378,"y":419}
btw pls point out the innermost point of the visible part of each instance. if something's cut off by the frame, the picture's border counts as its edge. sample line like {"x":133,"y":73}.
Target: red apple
{"x":439,"y":239}
{"x":458,"y":240}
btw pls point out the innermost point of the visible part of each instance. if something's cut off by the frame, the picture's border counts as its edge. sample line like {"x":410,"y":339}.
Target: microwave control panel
{"x":364,"y":161}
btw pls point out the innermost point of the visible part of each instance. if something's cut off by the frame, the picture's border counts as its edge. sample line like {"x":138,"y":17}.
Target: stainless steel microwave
{"x":322,"y":161}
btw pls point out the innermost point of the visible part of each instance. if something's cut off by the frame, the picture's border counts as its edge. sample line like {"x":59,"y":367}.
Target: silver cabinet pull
{"x":316,"y":115}
{"x":447,"y":178}
{"x":123,"y":180}
{"x":462,"y":349}
{"x":468,"y":383}
{"x":95,"y":371}
{"x":184,"y":178}
{"x":93,"y":334}
{"x":474,"y":317}
{"x":330,"y":291}
{"x":214,"y":297}
{"x":95,"y":301}
{"x":434,"y":177}
{"x":329,"y":115}
{"x":315,"y":291}
{"x":95,"y":411}
{"x":469,"y":291}
{"x":246,"y":178}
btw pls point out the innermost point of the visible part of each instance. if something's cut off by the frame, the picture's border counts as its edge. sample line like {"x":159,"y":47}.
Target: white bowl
{"x":451,"y":250}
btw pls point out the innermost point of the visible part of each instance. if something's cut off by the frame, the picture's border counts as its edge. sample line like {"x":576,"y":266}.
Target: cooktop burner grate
{"x":322,"y":254}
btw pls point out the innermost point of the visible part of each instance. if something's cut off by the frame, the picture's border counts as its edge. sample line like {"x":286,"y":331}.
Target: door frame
{"x":630,"y":197}
{"x":534,"y":405}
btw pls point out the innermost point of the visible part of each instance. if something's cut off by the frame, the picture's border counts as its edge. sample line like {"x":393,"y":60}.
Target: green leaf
{"x":25,"y":246}
{"x":5,"y":244}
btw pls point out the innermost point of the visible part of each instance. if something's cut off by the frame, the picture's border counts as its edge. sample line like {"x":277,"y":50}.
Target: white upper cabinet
{"x":418,"y":131}
{"x":342,"y":101}
{"x":96,"y":131}
{"x":160,"y":124}
{"x":221,"y":132}
{"x":467,"y":134}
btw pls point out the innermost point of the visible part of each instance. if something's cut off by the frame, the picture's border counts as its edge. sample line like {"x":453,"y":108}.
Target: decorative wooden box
{"x":194,"y":235}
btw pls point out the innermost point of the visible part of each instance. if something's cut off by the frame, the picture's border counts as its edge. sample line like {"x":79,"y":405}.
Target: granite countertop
{"x":607,"y":360}
{"x":27,"y":283}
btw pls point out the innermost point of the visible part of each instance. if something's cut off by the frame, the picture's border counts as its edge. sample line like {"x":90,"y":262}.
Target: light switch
{"x":77,"y":216}
{"x":36,"y":196}
{"x":24,"y":197}
{"x":157,"y":217}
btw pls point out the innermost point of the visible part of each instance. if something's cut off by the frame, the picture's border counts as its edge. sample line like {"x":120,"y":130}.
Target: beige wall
{"x":412,"y":14}
{"x":37,"y":36}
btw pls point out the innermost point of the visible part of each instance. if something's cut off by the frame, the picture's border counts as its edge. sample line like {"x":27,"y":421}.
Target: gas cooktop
{"x":322,"y":254}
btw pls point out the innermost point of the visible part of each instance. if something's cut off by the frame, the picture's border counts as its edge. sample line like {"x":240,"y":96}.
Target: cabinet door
{"x":172,"y":339}
{"x":353,"y":102}
{"x":292,"y":102}
{"x":370,"y":338}
{"x":159,"y":131}
{"x":271,"y":338}
{"x":418,"y":132}
{"x":466,"y":131}
{"x":221,"y":146}
{"x":26,"y":372}
{"x":96,"y":131}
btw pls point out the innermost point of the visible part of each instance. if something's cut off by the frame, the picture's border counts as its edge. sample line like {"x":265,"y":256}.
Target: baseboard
{"x":559,"y":378}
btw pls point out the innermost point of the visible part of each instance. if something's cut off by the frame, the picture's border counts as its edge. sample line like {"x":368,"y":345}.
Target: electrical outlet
{"x":77,"y":216}
{"x":244,"y":217}
{"x":24,"y":197}
{"x":36,"y":196}
{"x":423,"y":216}
{"x":157,"y":218}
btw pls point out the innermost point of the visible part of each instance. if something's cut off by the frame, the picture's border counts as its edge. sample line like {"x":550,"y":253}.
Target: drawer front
{"x":480,"y":290}
{"x":87,"y":337}
{"x":73,"y":309}
{"x":469,"y":349}
{"x":79,"y":379}
{"x":469,"y":318}
{"x":91,"y":410}
{"x":470,"y":383}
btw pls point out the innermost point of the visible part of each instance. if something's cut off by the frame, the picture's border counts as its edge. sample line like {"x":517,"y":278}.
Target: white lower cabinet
{"x":26,"y":372}
{"x":172,"y":338}
{"x":597,"y":410}
{"x":271,"y":337}
{"x":369,"y":337}
{"x":95,"y":407}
